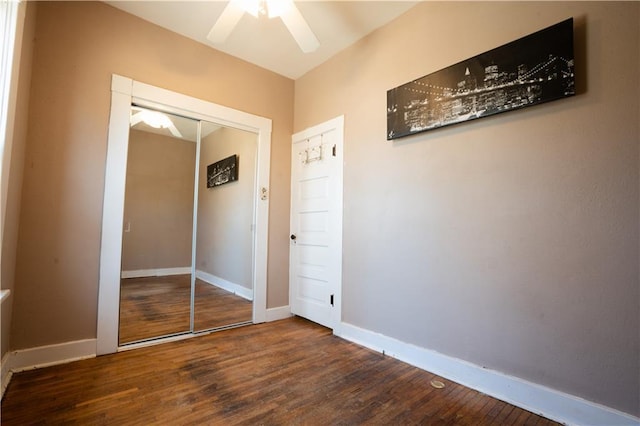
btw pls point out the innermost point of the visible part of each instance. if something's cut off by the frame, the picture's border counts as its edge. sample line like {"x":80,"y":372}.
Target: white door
{"x":315,"y":274}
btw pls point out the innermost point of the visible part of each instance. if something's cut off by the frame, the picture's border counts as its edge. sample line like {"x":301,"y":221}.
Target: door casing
{"x":124,"y":92}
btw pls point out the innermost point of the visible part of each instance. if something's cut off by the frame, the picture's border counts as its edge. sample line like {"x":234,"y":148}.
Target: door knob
{"x":293,"y":237}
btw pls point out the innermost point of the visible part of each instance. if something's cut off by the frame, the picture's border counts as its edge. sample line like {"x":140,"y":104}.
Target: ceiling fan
{"x":155,"y":119}
{"x":285,"y":9}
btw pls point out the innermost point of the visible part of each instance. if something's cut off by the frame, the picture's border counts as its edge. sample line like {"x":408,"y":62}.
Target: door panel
{"x":316,"y":223}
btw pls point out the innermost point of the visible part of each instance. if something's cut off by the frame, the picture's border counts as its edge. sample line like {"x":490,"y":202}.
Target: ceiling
{"x":267,"y":42}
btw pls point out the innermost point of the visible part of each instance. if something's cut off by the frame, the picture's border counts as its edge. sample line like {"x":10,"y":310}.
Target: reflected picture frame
{"x":222,"y":172}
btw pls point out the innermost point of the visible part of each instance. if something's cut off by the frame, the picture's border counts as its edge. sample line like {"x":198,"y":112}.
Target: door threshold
{"x":177,"y":337}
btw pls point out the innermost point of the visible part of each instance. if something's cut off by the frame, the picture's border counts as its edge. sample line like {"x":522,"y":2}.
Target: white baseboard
{"x":161,"y":272}
{"x":5,"y":375}
{"x":550,"y":403}
{"x":225,"y":285}
{"x":44,"y":356}
{"x":281,"y":312}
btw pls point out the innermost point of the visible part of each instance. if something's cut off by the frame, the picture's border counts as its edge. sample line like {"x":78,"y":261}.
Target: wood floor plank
{"x":289,"y":372}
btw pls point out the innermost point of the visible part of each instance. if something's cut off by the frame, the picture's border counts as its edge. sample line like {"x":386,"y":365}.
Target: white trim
{"x":234,"y":288}
{"x":4,"y":294}
{"x":124,"y":92}
{"x":45,"y":356}
{"x":112,"y":216}
{"x":12,"y":14}
{"x":9,"y":15}
{"x":5,"y":374}
{"x":161,"y":272}
{"x":550,"y":403}
{"x":155,"y":342}
{"x":176,"y":338}
{"x":279,"y":313}
{"x":194,"y":229}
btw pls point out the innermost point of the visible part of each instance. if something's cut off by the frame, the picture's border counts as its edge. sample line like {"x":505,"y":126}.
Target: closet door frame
{"x":124,"y":93}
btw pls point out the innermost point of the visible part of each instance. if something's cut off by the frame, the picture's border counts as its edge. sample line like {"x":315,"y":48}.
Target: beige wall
{"x":14,"y":161}
{"x":510,"y":241}
{"x":78,"y":46}
{"x":225,"y":213}
{"x":158,"y":204}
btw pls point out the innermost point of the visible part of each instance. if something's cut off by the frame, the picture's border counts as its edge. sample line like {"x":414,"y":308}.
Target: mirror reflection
{"x":155,"y":290}
{"x":225,"y":227}
{"x":183,"y":273}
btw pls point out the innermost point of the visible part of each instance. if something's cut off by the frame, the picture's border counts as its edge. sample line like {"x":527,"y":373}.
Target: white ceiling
{"x":267,"y":42}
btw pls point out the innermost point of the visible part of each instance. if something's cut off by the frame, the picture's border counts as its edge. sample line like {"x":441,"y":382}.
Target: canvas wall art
{"x":534,"y":69}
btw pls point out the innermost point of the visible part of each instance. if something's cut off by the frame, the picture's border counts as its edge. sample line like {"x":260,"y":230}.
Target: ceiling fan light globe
{"x":285,"y":9}
{"x":156,"y":119}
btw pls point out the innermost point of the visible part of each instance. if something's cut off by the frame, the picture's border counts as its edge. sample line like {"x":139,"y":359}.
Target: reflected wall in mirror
{"x":155,"y":291}
{"x":225,"y":231}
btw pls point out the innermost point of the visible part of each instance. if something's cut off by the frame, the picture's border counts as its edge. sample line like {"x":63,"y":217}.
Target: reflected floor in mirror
{"x":158,"y":306}
{"x":215,"y":307}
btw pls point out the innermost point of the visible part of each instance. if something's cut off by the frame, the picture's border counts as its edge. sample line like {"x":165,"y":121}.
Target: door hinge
{"x":333,"y":150}
{"x":332,"y":300}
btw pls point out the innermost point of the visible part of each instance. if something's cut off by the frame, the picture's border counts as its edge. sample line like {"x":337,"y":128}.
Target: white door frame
{"x":336,"y":125}
{"x":124,"y":92}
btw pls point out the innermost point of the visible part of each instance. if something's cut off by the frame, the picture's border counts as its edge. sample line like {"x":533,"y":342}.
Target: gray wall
{"x":511,"y":241}
{"x":224,"y":245}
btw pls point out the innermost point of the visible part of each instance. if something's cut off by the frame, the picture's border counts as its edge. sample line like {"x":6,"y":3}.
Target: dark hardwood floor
{"x":289,"y":372}
{"x":159,"y":306}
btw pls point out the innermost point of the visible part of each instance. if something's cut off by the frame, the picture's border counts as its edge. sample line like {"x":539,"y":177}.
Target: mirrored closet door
{"x":184,"y":272}
{"x":225,"y":227}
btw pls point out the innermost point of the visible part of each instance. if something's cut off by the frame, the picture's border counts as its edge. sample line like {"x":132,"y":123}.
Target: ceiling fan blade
{"x":226,"y":22}
{"x":299,"y":29}
{"x":174,"y":131}
{"x":136,"y":118}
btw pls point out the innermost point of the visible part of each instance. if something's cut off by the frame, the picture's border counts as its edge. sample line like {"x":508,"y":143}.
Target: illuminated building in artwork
{"x":522,"y":71}
{"x":490,"y":75}
{"x":469,"y":82}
